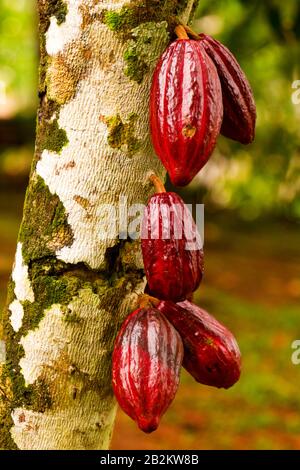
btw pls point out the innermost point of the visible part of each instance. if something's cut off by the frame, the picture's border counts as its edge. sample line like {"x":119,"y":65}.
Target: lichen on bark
{"x":47,"y":9}
{"x":54,"y":137}
{"x":134,"y":13}
{"x":57,"y":8}
{"x":48,"y":133}
{"x":64,"y":72}
{"x":139,"y":54}
{"x":121,"y":134}
{"x":44,"y":228}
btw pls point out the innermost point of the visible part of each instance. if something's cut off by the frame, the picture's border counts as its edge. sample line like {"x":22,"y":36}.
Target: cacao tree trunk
{"x":71,"y":287}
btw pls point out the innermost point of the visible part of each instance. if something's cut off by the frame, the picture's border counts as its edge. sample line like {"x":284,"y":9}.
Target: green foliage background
{"x":18,"y":51}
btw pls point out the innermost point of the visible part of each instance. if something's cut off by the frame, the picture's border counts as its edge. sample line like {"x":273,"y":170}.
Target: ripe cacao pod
{"x":211,"y":353}
{"x":185,"y":109}
{"x":146,"y":365}
{"x":171,"y":248}
{"x":238,"y":101}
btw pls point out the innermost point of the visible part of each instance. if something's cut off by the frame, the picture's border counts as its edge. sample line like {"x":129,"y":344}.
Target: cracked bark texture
{"x":70,"y":287}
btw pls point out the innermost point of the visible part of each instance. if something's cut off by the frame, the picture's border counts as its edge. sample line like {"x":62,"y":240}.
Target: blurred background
{"x":252,"y":231}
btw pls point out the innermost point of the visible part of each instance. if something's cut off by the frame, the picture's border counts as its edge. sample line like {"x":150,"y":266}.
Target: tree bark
{"x":70,"y":287}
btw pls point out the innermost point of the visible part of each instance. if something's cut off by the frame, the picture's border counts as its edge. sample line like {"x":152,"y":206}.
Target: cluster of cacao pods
{"x":198,"y":91}
{"x":168,"y":330}
{"x":152,"y":345}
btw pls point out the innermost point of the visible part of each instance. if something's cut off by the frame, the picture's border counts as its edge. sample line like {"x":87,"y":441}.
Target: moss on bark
{"x":121,"y":134}
{"x":44,"y":228}
{"x":49,"y":8}
{"x":140,"y":54}
{"x":48,"y":289}
{"x":49,"y":135}
{"x":53,"y":138}
{"x":135,"y":13}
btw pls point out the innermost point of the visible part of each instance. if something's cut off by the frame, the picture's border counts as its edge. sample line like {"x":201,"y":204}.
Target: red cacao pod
{"x":211,"y":353}
{"x":147,"y":358}
{"x":171,"y":248}
{"x":238,"y":101}
{"x":185,"y":109}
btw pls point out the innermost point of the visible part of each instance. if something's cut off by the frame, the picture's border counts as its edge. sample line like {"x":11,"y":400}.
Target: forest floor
{"x":252,"y":285}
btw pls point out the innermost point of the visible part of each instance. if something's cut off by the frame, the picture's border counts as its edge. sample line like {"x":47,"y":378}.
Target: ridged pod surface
{"x":171,"y":248}
{"x":238,"y":101}
{"x":185,"y":109}
{"x":147,"y":358}
{"x":211,"y":353}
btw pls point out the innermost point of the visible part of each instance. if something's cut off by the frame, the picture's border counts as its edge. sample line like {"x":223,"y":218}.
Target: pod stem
{"x":146,"y":300}
{"x":191,"y":32}
{"x":181,"y":32}
{"x":157,"y":183}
